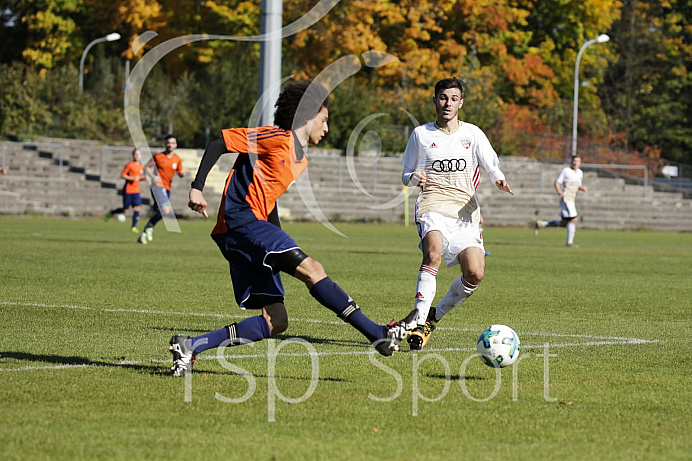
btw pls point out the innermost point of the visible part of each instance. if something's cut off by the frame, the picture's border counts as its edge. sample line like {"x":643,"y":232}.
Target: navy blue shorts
{"x":246,"y":248}
{"x":131,"y":200}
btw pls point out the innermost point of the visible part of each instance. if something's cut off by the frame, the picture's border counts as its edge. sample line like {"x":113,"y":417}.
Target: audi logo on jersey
{"x":449,"y":165}
{"x":466,"y":143}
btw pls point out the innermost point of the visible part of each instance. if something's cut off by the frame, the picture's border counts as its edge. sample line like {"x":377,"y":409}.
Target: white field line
{"x":602,"y":340}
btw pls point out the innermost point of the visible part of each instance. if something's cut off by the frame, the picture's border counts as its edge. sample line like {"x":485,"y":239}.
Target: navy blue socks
{"x":252,"y":329}
{"x":331,"y":296}
{"x":135,"y":218}
{"x":246,"y":331}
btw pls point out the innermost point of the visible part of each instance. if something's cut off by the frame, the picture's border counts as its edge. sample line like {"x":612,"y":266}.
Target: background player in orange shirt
{"x":167,"y":163}
{"x":132,"y":174}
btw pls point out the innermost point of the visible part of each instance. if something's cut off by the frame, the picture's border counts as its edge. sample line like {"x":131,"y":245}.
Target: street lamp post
{"x":108,"y":38}
{"x":600,"y":39}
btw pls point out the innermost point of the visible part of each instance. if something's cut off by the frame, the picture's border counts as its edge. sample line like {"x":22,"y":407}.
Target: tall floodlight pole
{"x":270,"y":60}
{"x":108,"y":38}
{"x":600,"y":39}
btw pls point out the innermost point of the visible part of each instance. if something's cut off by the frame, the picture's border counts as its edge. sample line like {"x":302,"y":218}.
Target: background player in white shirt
{"x":567,"y":184}
{"x":444,"y":158}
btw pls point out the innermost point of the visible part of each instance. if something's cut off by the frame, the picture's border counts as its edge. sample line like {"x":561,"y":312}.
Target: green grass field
{"x":87,"y":314}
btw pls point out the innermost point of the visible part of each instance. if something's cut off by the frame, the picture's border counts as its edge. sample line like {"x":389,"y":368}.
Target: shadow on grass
{"x":81,"y":361}
{"x":284,"y":377}
{"x":457,"y":377}
{"x":332,"y":342}
{"x":184,"y":331}
{"x":368,"y":252}
{"x":81,"y":241}
{"x":310,"y":339}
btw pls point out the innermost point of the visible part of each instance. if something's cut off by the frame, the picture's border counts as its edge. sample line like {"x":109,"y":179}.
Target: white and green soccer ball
{"x":121,"y":217}
{"x":498,"y":346}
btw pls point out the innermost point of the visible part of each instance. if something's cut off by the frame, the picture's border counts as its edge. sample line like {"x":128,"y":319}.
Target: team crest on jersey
{"x":433,"y":145}
{"x":466,"y":143}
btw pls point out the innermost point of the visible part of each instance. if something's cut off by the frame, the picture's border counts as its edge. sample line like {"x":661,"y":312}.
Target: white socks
{"x":571,"y":230}
{"x":425,"y":292}
{"x":458,"y":292}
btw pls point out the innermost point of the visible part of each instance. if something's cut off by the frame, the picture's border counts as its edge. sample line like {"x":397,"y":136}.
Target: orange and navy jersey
{"x":167,"y":167}
{"x":269,"y":160}
{"x":132,"y":169}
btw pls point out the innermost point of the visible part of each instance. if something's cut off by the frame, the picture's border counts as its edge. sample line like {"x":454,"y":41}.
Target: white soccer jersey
{"x":452,"y":163}
{"x":570,"y":181}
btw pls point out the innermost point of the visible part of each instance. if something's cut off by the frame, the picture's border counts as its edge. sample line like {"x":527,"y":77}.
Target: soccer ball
{"x":498,"y":346}
{"x":121,"y":218}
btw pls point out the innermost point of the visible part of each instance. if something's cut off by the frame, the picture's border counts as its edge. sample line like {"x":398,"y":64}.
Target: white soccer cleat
{"x":537,"y":226}
{"x":149,"y":231}
{"x":396,"y":332}
{"x":183,"y":356}
{"x":411,"y":320}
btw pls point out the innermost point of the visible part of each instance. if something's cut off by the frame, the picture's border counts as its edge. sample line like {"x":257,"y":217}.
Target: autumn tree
{"x":516,"y":57}
{"x":487,"y":43}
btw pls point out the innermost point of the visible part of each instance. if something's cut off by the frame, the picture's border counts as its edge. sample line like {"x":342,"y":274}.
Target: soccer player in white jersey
{"x":567,"y":185}
{"x":444,"y":159}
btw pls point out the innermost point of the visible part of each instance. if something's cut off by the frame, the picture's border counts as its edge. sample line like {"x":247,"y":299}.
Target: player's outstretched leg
{"x":185,"y":348}
{"x":543,"y":224}
{"x":385,"y":338}
{"x":538,"y":225}
{"x":112,"y":212}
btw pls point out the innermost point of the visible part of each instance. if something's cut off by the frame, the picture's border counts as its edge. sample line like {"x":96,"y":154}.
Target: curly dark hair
{"x":447,"y":83}
{"x":298,"y":103}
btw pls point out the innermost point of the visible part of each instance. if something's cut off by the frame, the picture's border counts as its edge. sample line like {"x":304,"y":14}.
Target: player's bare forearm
{"x":128,"y":177}
{"x":503,"y":185}
{"x":197,"y":202}
{"x":153,"y":178}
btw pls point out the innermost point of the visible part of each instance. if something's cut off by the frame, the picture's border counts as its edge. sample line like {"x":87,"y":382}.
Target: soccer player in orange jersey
{"x":167,"y":164}
{"x":249,"y":233}
{"x":132,"y":174}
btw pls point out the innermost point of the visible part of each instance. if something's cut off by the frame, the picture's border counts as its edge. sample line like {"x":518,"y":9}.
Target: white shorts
{"x":457,"y":235}
{"x":568,"y":210}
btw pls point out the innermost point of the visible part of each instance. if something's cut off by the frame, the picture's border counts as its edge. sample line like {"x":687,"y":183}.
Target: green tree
{"x":22,"y":112}
{"x":649,"y":88}
{"x":36,"y":104}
